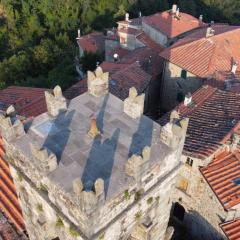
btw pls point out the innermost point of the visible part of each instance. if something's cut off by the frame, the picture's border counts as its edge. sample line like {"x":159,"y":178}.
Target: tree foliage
{"x":37,"y":37}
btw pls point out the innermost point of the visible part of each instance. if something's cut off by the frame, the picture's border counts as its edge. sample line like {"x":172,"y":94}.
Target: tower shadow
{"x":59,"y":134}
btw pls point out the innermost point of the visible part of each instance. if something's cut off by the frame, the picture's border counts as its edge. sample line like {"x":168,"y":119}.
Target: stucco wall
{"x":155,"y":35}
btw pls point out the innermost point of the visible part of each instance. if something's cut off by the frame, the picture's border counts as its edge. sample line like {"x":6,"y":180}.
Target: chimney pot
{"x":188,"y":99}
{"x":174,"y":8}
{"x":127,"y":17}
{"x":201,"y":18}
{"x":79,"y":33}
{"x":234,"y":67}
{"x":210,"y":32}
{"x":178,"y":12}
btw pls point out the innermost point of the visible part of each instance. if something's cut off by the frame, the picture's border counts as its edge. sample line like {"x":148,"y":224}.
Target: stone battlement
{"x":94,"y":162}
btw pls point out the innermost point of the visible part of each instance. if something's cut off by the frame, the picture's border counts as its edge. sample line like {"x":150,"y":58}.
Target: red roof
{"x":27,"y":101}
{"x":131,"y":76}
{"x":204,"y":56}
{"x":76,"y":90}
{"x":223,"y":176}
{"x":148,"y":42}
{"x":8,"y":230}
{"x":131,"y":31}
{"x":232,"y":229}
{"x":171,"y":25}
{"x":8,"y":196}
{"x":92,"y":42}
{"x":121,"y":79}
{"x":113,"y":67}
{"x":213,"y":115}
{"x":226,"y":81}
{"x":121,"y":52}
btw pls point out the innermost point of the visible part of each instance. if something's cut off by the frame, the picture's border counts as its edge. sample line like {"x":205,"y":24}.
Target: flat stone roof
{"x":103,"y":157}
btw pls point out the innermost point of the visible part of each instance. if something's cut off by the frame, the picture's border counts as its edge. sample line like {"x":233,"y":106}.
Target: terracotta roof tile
{"x":92,"y":42}
{"x":223,"y":176}
{"x":204,"y":56}
{"x":127,"y":76}
{"x":148,"y":42}
{"x":76,"y":90}
{"x":232,"y":229}
{"x":213,"y":115}
{"x":8,"y":230}
{"x":27,"y":101}
{"x":172,"y":26}
{"x":121,"y":52}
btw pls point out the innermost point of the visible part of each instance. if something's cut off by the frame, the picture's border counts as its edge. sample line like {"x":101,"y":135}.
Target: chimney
{"x":188,"y":99}
{"x":174,"y":8}
{"x":201,"y":18}
{"x":79,"y":34}
{"x":234,"y":67}
{"x":178,"y":12}
{"x":140,"y":14}
{"x":127,"y":17}
{"x":115,"y":57}
{"x":209,"y":32}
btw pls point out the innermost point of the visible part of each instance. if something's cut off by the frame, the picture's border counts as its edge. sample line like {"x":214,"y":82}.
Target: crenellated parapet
{"x":55,"y":101}
{"x":98,"y":82}
{"x":10,"y":126}
{"x":89,"y":200}
{"x":45,"y":160}
{"x":174,"y":132}
{"x":134,"y":104}
{"x":137,"y":166}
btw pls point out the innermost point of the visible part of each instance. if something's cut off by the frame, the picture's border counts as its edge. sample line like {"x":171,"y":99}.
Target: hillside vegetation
{"x":38,"y":37}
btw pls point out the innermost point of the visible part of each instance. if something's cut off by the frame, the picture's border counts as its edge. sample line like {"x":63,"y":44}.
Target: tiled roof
{"x":8,"y":231}
{"x":171,"y":25}
{"x":131,"y":76}
{"x":225,"y":81}
{"x":8,"y":196}
{"x":76,"y":90}
{"x":204,"y":56}
{"x":232,"y":229}
{"x":113,"y":67}
{"x":27,"y":101}
{"x":120,"y":81}
{"x":148,"y":42}
{"x":135,"y":69}
{"x":213,"y":115}
{"x":92,"y":42}
{"x":121,"y":52}
{"x":223,"y":176}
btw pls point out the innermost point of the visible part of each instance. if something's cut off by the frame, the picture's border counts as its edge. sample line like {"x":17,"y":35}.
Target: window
{"x":184,"y":74}
{"x":189,"y":162}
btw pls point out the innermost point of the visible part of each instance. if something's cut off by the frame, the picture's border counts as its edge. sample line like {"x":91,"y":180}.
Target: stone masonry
{"x":115,"y":183}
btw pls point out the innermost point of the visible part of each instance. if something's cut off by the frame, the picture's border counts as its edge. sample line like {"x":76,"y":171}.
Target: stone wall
{"x":204,"y":212}
{"x":43,"y":209}
{"x":174,"y":86}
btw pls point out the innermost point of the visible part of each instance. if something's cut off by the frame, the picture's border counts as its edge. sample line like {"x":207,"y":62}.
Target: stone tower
{"x":115,"y":184}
